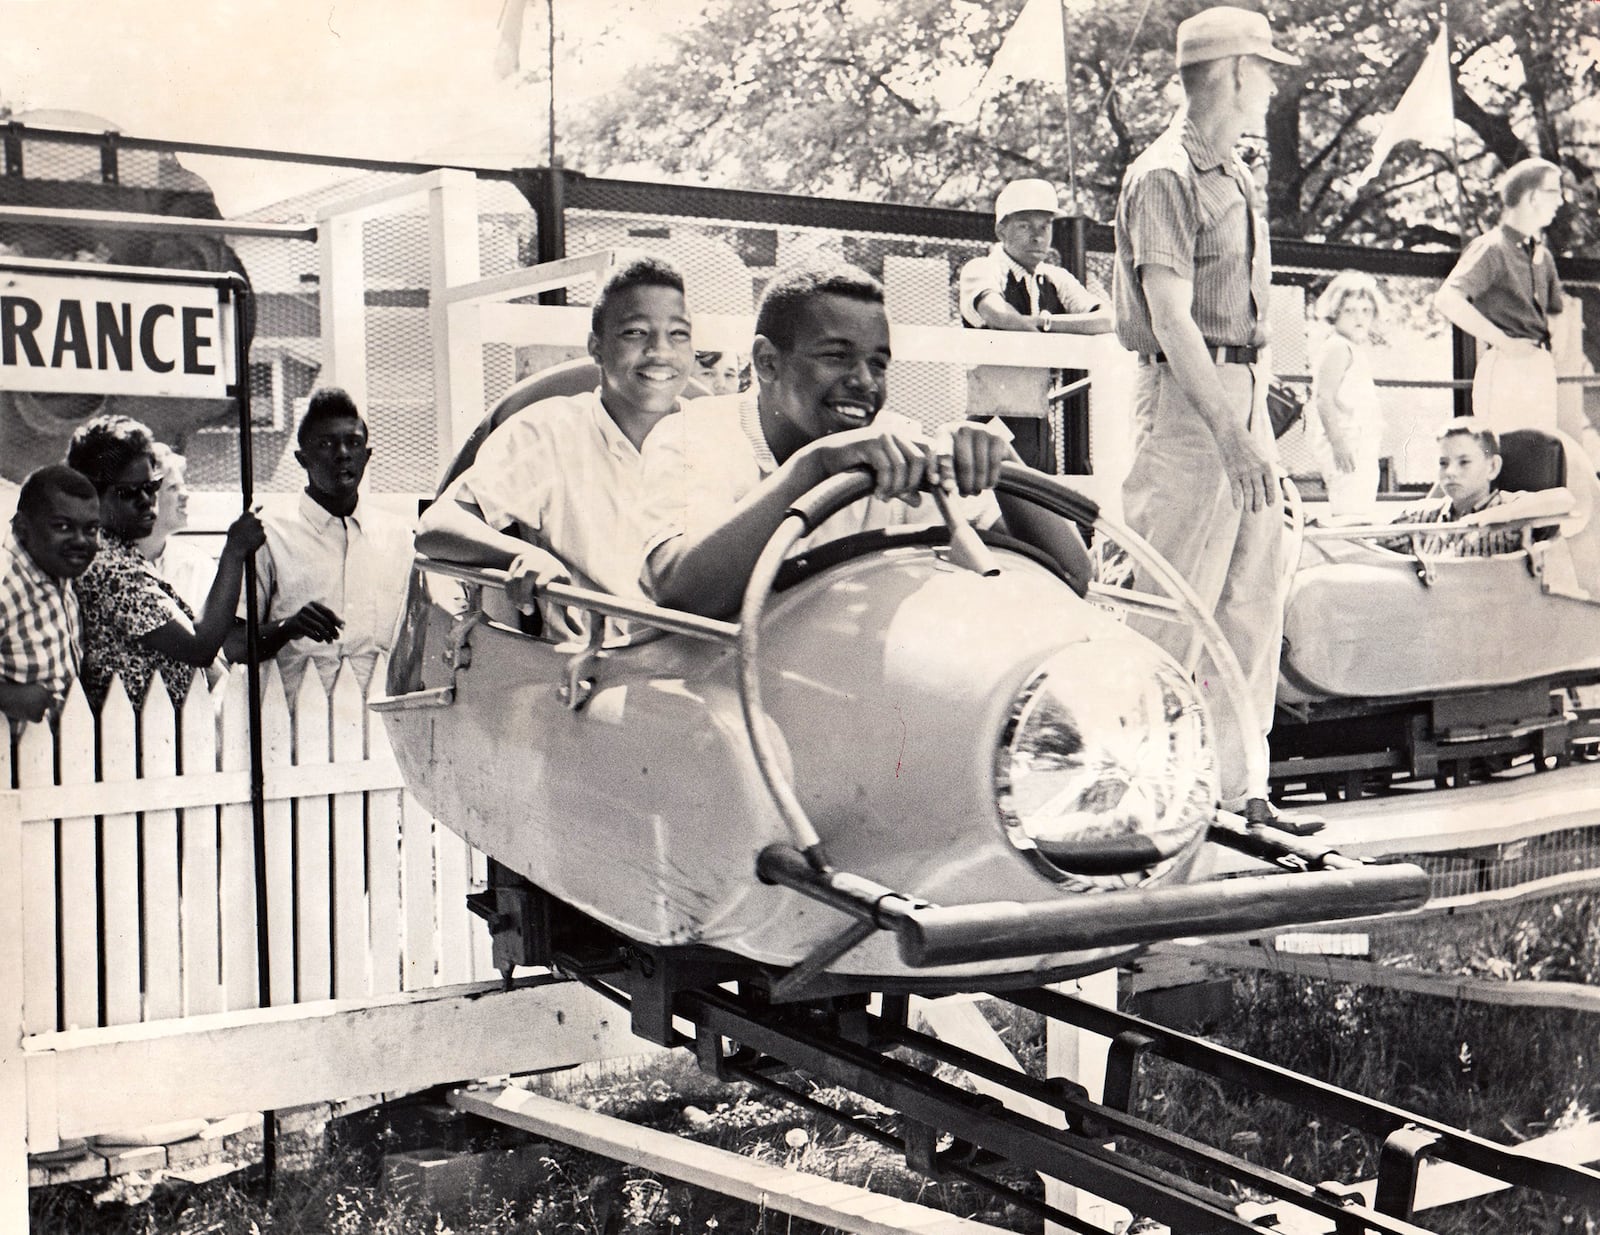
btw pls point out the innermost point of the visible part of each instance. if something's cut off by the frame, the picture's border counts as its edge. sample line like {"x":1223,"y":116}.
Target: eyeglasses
{"x":149,"y":490}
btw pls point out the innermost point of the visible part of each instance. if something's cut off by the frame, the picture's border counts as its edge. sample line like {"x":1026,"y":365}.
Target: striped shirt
{"x":1484,"y":542}
{"x":39,"y":638}
{"x":1194,"y":209}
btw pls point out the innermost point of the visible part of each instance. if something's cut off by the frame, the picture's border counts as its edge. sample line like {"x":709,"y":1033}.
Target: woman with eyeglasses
{"x":134,"y":622}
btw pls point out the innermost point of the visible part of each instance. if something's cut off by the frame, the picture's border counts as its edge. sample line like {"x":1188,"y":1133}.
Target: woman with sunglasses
{"x":134,"y":622}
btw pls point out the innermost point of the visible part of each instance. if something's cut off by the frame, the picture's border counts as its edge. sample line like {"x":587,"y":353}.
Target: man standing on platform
{"x":1503,"y":292}
{"x":1193,"y":273}
{"x":1013,"y":287}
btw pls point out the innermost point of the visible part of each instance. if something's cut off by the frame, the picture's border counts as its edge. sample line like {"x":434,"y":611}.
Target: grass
{"x":1507,"y":1074}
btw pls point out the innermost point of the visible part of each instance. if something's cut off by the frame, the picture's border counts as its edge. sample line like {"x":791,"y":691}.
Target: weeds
{"x":1507,"y":1074}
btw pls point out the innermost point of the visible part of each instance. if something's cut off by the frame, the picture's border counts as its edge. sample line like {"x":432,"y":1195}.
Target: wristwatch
{"x":1044,"y":320}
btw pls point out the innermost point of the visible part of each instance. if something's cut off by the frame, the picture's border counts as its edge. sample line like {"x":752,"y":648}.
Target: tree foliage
{"x":864,"y":98}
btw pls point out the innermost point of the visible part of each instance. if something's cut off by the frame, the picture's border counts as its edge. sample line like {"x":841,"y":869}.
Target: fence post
{"x":457,"y":335}
{"x":1463,"y":365}
{"x":13,"y":1076}
{"x":1074,"y":448}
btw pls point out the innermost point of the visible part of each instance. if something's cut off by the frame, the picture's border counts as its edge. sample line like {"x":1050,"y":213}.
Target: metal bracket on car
{"x":457,"y":644}
{"x":1426,"y":570}
{"x":1535,"y":551}
{"x":457,"y":655}
{"x":579,"y":685}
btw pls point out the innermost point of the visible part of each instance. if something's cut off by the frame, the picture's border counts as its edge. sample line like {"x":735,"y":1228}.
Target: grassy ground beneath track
{"x":1507,"y":1074}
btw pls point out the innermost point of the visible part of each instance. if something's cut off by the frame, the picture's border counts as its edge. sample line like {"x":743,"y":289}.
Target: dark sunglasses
{"x":150,"y":489}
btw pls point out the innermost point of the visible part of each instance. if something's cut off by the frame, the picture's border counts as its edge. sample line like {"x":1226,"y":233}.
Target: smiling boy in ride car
{"x":724,"y":474}
{"x":553,"y":495}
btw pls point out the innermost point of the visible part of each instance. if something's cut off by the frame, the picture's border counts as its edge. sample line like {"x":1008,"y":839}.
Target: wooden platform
{"x":1421,"y":819}
{"x":842,"y":1206}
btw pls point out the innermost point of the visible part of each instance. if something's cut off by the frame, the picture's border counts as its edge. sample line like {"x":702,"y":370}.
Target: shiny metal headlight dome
{"x":1105,"y":775}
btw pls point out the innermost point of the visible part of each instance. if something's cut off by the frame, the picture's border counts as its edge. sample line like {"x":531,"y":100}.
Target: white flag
{"x":508,"y":47}
{"x":1034,"y":49}
{"x":1425,"y":113}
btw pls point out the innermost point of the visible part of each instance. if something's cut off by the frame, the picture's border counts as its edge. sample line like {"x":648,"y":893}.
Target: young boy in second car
{"x":1469,"y":465}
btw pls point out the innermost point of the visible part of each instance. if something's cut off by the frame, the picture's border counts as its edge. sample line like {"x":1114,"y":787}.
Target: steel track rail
{"x":1407,"y":1136}
{"x":740,"y":1039}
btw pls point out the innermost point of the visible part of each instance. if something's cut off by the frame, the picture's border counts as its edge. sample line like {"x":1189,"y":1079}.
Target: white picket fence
{"x":129,"y":975}
{"x":140,"y":864}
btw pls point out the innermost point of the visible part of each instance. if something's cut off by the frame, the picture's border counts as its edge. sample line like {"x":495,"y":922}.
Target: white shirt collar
{"x":321,"y":518}
{"x":1012,"y":265}
{"x":750,"y":423}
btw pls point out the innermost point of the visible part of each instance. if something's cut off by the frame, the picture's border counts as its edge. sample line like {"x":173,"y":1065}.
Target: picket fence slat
{"x":313,"y":850}
{"x":482,"y":944}
{"x":119,"y":862}
{"x":347,"y":739}
{"x":36,"y":765}
{"x":199,"y":916}
{"x":455,"y":864}
{"x":417,"y":870}
{"x":160,"y":853}
{"x":277,"y":750}
{"x":79,"y":871}
{"x":226,"y":746}
{"x":383,"y":858}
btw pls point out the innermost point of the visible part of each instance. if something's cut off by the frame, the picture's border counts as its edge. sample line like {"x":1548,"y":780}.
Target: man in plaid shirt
{"x":54,"y":537}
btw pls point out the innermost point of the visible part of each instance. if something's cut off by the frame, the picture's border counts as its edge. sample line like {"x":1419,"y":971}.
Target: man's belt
{"x":1222,"y":353}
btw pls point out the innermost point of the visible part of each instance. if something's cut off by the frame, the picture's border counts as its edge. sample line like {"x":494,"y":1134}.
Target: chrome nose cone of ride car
{"x":1105,"y":775}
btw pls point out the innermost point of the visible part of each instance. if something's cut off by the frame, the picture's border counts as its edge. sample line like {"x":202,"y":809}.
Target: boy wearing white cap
{"x":1192,"y":277}
{"x":1013,"y":287}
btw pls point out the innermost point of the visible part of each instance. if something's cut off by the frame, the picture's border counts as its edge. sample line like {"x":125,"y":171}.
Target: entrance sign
{"x":73,"y":329}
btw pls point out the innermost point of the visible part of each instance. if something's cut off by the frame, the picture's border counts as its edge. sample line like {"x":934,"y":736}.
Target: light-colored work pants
{"x":1177,"y":497}
{"x":1515,"y":389}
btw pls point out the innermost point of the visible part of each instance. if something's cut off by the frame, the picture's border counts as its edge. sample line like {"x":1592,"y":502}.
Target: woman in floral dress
{"x":135,"y":624}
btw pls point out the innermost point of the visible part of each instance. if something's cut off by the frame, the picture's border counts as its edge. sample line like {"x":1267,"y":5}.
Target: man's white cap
{"x":1217,"y":33}
{"x":1021,"y":195}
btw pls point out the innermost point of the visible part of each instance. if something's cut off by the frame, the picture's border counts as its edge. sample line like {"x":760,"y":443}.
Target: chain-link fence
{"x":728,"y":243}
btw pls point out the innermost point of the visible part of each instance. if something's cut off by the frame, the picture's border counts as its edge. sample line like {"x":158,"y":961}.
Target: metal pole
{"x":1066,"y":88}
{"x":550,"y":14}
{"x":1463,"y":348}
{"x":239,"y":290}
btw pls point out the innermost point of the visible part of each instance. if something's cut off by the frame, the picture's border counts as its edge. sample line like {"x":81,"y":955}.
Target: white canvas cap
{"x":1023,"y":195}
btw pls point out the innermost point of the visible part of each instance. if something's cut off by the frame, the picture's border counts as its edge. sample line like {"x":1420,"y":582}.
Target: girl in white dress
{"x":1345,"y":420}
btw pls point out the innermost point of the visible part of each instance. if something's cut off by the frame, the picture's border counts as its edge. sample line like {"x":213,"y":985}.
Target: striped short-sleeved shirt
{"x":1194,"y":209}
{"x":39,"y":638}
